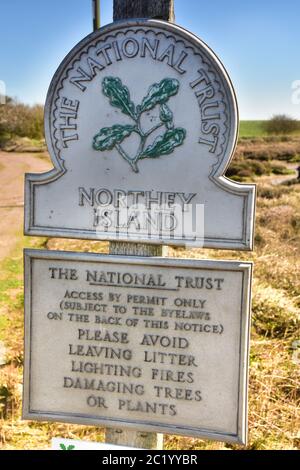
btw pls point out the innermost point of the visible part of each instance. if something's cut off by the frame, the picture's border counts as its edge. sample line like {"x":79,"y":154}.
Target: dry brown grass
{"x":272,"y":148}
{"x":264,"y":156}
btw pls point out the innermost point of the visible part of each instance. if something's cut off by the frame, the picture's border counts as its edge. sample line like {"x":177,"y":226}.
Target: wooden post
{"x":123,"y":9}
{"x":159,"y":9}
{"x":96,"y":14}
{"x":144,"y":440}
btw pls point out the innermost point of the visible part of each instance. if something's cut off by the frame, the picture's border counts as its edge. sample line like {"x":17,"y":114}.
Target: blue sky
{"x":257,"y":41}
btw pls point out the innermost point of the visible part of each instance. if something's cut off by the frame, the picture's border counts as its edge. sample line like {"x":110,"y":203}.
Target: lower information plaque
{"x":151,"y":344}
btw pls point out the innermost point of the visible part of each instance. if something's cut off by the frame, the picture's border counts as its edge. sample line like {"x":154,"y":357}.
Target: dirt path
{"x":283,"y":178}
{"x":12,"y":169}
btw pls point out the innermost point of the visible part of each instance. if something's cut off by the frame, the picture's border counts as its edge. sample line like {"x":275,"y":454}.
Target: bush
{"x":244,"y":173}
{"x":233,"y":170}
{"x":287,"y":155}
{"x":247,"y":169}
{"x":20,"y":120}
{"x":259,"y":239}
{"x":281,"y":124}
{"x":291,"y":182}
{"x":273,"y":320}
{"x":278,"y":169}
{"x":263,"y":155}
{"x":259,"y":168}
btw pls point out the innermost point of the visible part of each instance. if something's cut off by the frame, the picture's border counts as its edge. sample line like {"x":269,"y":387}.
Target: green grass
{"x":255,"y":129}
{"x":252,"y":129}
{"x":11,"y":286}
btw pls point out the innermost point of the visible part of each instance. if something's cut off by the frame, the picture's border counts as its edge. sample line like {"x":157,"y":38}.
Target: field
{"x":274,"y":396}
{"x":252,"y":129}
{"x":255,"y":129}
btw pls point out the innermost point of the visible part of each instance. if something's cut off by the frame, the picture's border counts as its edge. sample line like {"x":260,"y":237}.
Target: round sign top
{"x":131,"y":77}
{"x":141,"y":112}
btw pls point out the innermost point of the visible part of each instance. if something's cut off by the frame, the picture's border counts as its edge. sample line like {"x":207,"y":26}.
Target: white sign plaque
{"x":150,"y":344}
{"x":141,"y":123}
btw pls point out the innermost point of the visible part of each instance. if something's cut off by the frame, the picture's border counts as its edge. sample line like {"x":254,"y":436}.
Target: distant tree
{"x":281,"y":124}
{"x":17,"y":119}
